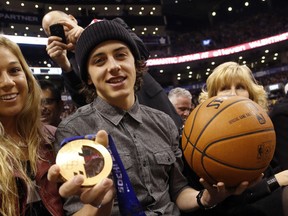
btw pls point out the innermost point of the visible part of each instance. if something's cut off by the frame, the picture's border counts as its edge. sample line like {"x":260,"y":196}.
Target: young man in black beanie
{"x":146,"y":139}
{"x":151,"y":93}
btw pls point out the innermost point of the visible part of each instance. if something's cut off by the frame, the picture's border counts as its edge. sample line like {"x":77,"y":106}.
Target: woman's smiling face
{"x":13,"y":84}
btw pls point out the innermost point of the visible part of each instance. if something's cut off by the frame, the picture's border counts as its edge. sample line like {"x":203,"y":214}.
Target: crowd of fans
{"x":221,"y":34}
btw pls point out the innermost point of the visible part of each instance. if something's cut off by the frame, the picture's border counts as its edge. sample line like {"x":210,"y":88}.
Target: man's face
{"x":111,"y":68}
{"x":50,"y":108}
{"x":54,"y":18}
{"x":183,"y":106}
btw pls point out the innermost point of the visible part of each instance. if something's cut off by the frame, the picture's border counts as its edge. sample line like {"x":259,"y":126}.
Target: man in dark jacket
{"x":279,"y":117}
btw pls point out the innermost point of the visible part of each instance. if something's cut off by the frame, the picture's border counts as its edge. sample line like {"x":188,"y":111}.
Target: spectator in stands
{"x":51,"y":103}
{"x":182,"y":101}
{"x":63,"y":54}
{"x":279,"y":117}
{"x":111,"y":68}
{"x":150,"y":94}
{"x":230,"y":78}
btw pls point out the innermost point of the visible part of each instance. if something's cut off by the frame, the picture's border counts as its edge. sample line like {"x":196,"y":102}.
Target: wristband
{"x":198,"y":198}
{"x":272,"y":183}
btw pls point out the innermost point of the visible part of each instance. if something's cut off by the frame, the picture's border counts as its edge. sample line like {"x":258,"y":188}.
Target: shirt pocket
{"x":165,"y":160}
{"x":165,"y":157}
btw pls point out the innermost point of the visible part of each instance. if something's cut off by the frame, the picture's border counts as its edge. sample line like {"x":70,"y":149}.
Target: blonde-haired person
{"x":231,"y":78}
{"x":25,"y":150}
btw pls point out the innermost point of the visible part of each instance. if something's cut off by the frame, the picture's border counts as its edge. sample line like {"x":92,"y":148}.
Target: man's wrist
{"x":200,"y":204}
{"x":272,"y":183}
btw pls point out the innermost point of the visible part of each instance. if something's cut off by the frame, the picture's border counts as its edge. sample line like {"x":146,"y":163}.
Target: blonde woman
{"x":231,"y":78}
{"x":25,"y":144}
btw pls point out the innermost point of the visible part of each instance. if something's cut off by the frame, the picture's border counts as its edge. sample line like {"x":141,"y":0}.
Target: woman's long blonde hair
{"x":29,"y":128}
{"x":230,"y":72}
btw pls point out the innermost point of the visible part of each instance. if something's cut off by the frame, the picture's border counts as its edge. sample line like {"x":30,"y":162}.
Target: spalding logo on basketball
{"x":228,"y":139}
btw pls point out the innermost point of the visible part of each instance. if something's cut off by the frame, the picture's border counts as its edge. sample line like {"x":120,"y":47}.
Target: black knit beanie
{"x":97,"y":33}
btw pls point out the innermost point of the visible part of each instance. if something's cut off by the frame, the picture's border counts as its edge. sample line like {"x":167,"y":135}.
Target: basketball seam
{"x":204,"y":128}
{"x":231,"y":137}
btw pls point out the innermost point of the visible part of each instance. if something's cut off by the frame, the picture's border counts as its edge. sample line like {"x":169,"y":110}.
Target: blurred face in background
{"x":55,"y":17}
{"x":183,"y":106}
{"x":51,"y":109}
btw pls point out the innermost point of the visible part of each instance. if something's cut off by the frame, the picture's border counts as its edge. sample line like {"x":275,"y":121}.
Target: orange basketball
{"x":229,"y":139}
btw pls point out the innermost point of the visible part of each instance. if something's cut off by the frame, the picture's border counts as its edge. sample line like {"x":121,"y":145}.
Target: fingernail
{"x":78,"y":180}
{"x":105,"y":182}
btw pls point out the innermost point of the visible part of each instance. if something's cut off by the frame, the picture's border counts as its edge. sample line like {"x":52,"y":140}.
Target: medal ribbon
{"x":129,"y":205}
